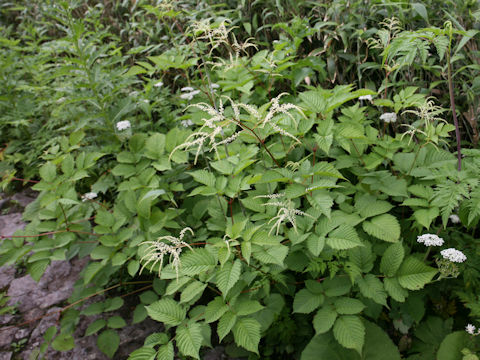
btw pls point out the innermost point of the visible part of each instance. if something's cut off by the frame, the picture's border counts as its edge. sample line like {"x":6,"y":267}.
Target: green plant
{"x":255,"y":196}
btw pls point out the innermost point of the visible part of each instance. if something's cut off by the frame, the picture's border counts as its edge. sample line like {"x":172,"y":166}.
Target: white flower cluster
{"x":123,"y":125}
{"x":389,"y":117}
{"x":472,"y":330}
{"x":188,"y":92}
{"x":89,"y":196}
{"x":453,"y":255}
{"x":366,"y":97}
{"x":454,"y":219}
{"x":158,"y":84}
{"x":430,"y":240}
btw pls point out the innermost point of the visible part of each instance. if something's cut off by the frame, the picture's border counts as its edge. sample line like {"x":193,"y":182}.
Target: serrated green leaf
{"x":132,"y":267}
{"x":392,"y":259}
{"x":189,"y":339}
{"x":225,"y":324}
{"x":139,"y":314}
{"x":166,"y":352}
{"x":156,"y":339}
{"x":324,"y":319}
{"x":394,"y":289}
{"x":204,"y":177}
{"x":348,"y":306}
{"x":63,"y":342}
{"x":337,"y":286}
{"x":37,"y":268}
{"x":228,"y":275}
{"x":315,"y":244}
{"x":215,"y":309}
{"x":167,"y":311}
{"x":384,"y":227}
{"x":247,"y":307}
{"x":95,"y":326}
{"x":144,"y":353}
{"x":344,"y":237}
{"x":305,"y":301}
{"x":452,"y":346}
{"x":108,"y":342}
{"x":48,"y":172}
{"x":371,"y":287}
{"x":191,"y":291}
{"x":350,"y":332}
{"x":91,"y":270}
{"x":197,"y":261}
{"x":246,"y":333}
{"x":116,"y":322}
{"x":414,"y":274}
{"x":113,"y":304}
{"x":368,"y":206}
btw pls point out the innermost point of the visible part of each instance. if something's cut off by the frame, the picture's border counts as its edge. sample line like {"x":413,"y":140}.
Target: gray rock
{"x":22,"y":334}
{"x":7,"y":275}
{"x":25,"y":197}
{"x":7,"y":336}
{"x":5,"y":355}
{"x":54,"y":287}
{"x":11,"y":223}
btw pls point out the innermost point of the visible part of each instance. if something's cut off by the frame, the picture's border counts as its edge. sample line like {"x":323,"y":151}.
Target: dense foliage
{"x":264,"y":175}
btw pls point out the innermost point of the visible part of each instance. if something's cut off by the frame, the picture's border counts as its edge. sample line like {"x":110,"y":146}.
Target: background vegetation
{"x":269,"y":165}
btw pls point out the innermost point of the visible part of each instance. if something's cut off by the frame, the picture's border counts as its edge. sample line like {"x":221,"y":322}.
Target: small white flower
{"x":186,"y":123}
{"x":430,"y":240}
{"x":158,"y":84}
{"x":187,"y":88}
{"x":470,"y":329}
{"x":453,"y":255}
{"x":61,"y":100}
{"x":389,"y":117}
{"x":214,"y":86}
{"x":454,"y":218}
{"x":89,"y":196}
{"x":366,"y":97}
{"x":189,"y":95}
{"x":186,"y":96}
{"x":122,"y":125}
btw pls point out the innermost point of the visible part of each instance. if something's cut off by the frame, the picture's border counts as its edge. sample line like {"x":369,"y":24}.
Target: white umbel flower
{"x":89,"y":196}
{"x":366,"y":97}
{"x":187,"y":89}
{"x":158,"y":84}
{"x":430,"y":240}
{"x":389,"y":117}
{"x":470,"y":329}
{"x":214,"y":86}
{"x":453,"y":255}
{"x":454,"y":219}
{"x":123,"y":125}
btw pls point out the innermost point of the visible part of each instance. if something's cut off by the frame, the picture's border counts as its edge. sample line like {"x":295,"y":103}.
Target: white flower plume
{"x":286,"y":211}
{"x":157,"y":249}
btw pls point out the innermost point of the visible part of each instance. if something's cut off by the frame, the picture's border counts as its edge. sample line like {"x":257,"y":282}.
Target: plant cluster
{"x":286,"y":178}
